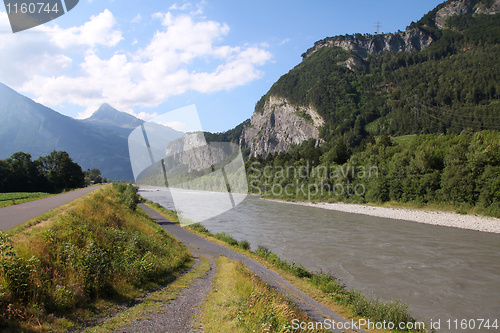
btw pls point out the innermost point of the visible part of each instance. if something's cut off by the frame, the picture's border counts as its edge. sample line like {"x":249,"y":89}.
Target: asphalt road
{"x":13,"y":216}
{"x":199,"y":245}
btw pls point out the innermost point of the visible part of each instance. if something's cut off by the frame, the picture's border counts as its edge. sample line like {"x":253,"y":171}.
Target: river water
{"x":441,"y":273}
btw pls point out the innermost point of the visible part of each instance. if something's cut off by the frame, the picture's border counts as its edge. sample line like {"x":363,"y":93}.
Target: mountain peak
{"x":109,"y":116}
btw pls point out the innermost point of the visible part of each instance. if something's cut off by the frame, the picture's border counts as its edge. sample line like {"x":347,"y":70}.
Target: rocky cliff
{"x":465,"y":7}
{"x":279,"y":126}
{"x":412,"y":40}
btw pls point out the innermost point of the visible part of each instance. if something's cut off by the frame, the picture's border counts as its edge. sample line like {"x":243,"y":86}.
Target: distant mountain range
{"x":100,"y":141}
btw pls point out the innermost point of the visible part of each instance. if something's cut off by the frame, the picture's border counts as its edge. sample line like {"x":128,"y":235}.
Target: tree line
{"x":461,"y":171}
{"x":52,"y":173}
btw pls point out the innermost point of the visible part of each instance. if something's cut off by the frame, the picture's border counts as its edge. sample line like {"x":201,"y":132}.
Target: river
{"x":441,"y":273}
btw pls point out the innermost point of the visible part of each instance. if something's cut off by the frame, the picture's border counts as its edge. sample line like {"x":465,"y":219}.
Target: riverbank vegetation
{"x":351,"y":303}
{"x":457,"y":171}
{"x":99,"y":252}
{"x":241,"y":302}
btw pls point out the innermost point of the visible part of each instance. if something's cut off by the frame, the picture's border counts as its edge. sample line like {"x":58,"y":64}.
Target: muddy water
{"x":440,"y":273}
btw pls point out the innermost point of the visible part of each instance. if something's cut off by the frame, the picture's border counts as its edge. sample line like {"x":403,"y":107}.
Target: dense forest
{"x":461,"y":171}
{"x":52,"y":173}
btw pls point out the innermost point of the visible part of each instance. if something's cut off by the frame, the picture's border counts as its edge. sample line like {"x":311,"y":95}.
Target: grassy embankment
{"x":324,"y":287}
{"x":241,"y":302}
{"x":8,"y":199}
{"x":81,"y":262}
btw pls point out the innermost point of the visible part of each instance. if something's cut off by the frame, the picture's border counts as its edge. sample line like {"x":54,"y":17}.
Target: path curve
{"x":197,"y":244}
{"x":15,"y":215}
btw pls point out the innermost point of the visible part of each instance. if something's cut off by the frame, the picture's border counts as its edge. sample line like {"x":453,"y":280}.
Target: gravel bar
{"x":447,"y":219}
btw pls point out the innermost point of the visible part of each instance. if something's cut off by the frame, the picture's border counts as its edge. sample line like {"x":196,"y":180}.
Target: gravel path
{"x":178,"y":315}
{"x":199,"y":245}
{"x":12,"y":216}
{"x":447,"y":219}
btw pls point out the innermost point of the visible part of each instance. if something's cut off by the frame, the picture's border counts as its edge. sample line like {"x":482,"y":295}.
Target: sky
{"x":150,"y":57}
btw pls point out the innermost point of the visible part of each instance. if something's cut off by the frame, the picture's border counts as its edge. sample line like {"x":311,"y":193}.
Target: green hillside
{"x":452,"y":86}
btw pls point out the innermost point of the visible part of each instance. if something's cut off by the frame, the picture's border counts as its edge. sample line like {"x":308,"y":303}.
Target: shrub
{"x":244,"y":244}
{"x":127,"y":195}
{"x":198,"y":227}
{"x":226,"y":238}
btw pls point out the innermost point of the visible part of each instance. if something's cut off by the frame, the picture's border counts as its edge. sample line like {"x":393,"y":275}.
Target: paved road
{"x":199,"y":245}
{"x":12,"y":216}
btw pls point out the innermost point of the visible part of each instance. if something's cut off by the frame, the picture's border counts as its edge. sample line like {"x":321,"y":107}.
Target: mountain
{"x":35,"y":129}
{"x":106,"y":115}
{"x":441,"y":75}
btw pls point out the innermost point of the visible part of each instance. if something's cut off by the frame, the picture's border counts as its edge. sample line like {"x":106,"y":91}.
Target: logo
{"x":170,"y":155}
{"x":25,"y":14}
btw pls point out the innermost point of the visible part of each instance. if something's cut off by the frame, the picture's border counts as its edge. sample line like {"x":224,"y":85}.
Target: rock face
{"x":494,"y":9}
{"x":193,"y":152}
{"x":279,"y":126}
{"x":412,"y":40}
{"x":464,"y":7}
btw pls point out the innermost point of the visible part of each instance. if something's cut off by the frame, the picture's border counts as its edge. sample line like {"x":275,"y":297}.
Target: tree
{"x":23,"y":174}
{"x":61,"y":171}
{"x":93,"y":176}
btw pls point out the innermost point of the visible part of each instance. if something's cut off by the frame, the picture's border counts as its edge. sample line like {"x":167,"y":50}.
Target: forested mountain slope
{"x":441,"y":75}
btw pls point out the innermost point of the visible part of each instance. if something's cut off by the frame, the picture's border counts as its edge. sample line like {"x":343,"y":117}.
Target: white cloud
{"x":186,"y":54}
{"x":97,"y":31}
{"x":136,"y":19}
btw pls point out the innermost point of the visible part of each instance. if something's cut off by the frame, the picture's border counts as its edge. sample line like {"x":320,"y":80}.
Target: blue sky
{"x":150,"y":57}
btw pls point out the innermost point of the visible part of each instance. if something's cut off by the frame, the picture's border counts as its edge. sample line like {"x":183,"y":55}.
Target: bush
{"x":198,"y":227}
{"x":127,"y":195}
{"x":226,"y":238}
{"x":244,"y":244}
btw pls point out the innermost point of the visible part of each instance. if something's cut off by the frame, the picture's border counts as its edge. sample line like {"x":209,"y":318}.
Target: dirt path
{"x":13,"y":216}
{"x":199,"y":245}
{"x":178,"y":315}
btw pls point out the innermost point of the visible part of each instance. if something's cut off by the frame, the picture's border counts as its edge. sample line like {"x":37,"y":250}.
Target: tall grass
{"x":241,"y":302}
{"x":100,"y":248}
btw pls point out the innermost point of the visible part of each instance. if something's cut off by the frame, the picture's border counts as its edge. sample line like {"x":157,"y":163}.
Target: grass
{"x":154,"y":302}
{"x":9,"y":199}
{"x":96,"y":253}
{"x":241,"y":302}
{"x":404,"y":139}
{"x":171,"y":215}
{"x":325,"y":288}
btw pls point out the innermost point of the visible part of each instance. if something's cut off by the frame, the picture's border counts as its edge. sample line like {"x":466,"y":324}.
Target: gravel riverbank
{"x":448,"y":219}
